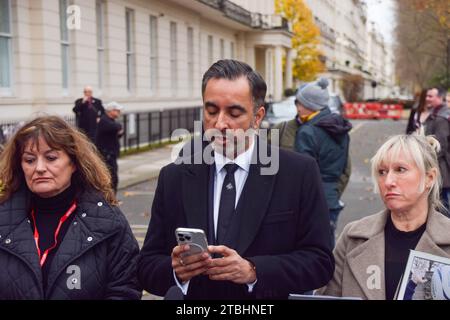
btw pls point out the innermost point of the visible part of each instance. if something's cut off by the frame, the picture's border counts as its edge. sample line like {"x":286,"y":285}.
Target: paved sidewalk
{"x":144,"y":166}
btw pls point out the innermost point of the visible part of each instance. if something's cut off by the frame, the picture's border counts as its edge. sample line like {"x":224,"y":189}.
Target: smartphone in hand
{"x":195,"y":238}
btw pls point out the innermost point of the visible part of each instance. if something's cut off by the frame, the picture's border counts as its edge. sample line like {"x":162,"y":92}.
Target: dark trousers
{"x":334,"y":214}
{"x":445,"y":198}
{"x":111,"y":162}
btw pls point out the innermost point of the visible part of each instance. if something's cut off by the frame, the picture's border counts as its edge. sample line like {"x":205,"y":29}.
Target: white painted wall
{"x":37,"y":82}
{"x":261,"y":6}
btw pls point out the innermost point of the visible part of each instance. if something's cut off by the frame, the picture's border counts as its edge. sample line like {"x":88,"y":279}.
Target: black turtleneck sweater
{"x":48,"y":212}
{"x":397,"y":246}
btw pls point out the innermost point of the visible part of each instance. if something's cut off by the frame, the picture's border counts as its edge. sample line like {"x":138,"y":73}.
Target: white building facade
{"x":380,"y":64}
{"x":352,"y":46}
{"x":145,"y":54}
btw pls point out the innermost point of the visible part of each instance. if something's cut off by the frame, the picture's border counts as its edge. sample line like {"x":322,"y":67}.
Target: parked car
{"x":335,"y":104}
{"x":286,"y":110}
{"x":277,"y":112}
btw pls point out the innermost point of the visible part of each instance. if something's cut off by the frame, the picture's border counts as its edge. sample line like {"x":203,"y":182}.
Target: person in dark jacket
{"x":62,"y":235}
{"x":268,"y":230}
{"x":107,"y":141}
{"x":438,"y":124}
{"x":324,"y":136}
{"x":287,"y":134}
{"x":88,"y":111}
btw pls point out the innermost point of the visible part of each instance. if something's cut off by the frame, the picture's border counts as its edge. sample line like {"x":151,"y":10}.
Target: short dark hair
{"x":441,"y":91}
{"x":232,"y":70}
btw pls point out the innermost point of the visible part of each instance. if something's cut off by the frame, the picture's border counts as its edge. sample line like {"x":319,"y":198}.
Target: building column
{"x":278,"y":76}
{"x":288,"y":71}
{"x":250,"y":56}
{"x":269,"y":72}
{"x":45,"y":61}
{"x":240,"y":47}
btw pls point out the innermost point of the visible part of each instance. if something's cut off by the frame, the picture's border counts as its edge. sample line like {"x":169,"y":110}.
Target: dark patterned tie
{"x":227,"y":202}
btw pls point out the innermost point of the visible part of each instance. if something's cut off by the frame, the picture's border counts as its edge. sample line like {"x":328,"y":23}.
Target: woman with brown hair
{"x":419,"y":113}
{"x":62,"y":235}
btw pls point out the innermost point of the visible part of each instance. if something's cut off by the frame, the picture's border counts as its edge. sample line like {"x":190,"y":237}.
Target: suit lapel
{"x":426,"y":244}
{"x":253,"y":205}
{"x":195,"y":184}
{"x":365,"y":262}
{"x":435,"y":235}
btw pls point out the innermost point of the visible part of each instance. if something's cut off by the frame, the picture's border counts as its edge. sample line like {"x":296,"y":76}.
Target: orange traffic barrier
{"x":391,"y":111}
{"x":360,"y":110}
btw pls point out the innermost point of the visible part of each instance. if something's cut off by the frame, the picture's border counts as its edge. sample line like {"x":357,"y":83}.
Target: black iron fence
{"x":145,"y":128}
{"x":140,"y":128}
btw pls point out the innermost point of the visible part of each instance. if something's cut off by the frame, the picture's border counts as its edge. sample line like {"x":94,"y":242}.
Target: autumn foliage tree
{"x":440,"y":8}
{"x":305,"y":41}
{"x":423,"y":41}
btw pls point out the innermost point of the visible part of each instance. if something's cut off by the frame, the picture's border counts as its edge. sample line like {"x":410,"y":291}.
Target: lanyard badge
{"x":43,"y":256}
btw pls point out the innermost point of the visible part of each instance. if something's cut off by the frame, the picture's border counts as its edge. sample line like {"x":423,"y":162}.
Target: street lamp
{"x":374,"y":85}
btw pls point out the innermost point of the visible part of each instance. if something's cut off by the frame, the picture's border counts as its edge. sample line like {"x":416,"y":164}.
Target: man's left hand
{"x":232,"y":267}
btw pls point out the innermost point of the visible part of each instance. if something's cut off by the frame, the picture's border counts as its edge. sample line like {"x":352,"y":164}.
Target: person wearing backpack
{"x":324,"y":136}
{"x":287,"y":135}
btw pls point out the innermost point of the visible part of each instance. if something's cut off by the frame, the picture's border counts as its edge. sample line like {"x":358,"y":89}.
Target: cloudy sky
{"x":382,"y":13}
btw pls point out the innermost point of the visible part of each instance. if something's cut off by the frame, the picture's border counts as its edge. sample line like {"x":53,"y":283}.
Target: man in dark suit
{"x":268,"y":233}
{"x":107,"y":140}
{"x":88,"y":111}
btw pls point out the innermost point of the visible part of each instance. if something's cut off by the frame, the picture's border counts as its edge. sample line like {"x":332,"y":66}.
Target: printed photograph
{"x":428,"y":278}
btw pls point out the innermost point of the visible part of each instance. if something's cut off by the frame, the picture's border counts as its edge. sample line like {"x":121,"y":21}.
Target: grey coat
{"x":438,"y":124}
{"x":360,"y":250}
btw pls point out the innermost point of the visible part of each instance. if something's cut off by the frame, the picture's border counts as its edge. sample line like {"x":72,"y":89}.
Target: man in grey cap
{"x":324,"y":136}
{"x":107,"y":140}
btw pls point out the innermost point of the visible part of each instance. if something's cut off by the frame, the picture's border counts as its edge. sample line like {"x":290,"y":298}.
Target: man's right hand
{"x":85,"y":99}
{"x":189,"y":266}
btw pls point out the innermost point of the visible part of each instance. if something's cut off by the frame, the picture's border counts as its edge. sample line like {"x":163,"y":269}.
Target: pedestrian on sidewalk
{"x":324,"y":136}
{"x":107,"y":141}
{"x":438,"y":124}
{"x":88,"y":111}
{"x":287,"y":135}
{"x":63,"y":236}
{"x":268,"y":232}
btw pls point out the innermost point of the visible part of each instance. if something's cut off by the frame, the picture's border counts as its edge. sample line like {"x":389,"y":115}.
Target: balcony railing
{"x":250,"y":19}
{"x":328,"y":34}
{"x":237,"y":13}
{"x":216,"y":4}
{"x":269,"y":21}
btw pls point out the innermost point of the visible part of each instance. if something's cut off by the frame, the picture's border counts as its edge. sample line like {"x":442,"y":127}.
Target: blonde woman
{"x":371,"y":253}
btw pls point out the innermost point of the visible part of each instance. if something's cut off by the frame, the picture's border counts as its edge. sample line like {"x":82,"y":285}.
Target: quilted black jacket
{"x":95,"y":260}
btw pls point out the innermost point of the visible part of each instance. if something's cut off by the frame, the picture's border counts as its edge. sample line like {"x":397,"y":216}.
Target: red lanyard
{"x":43,"y":257}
